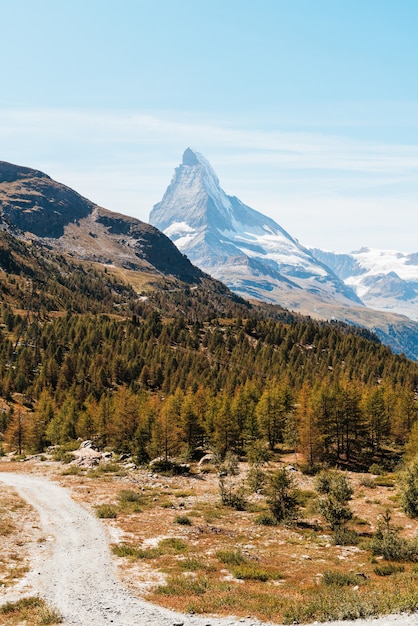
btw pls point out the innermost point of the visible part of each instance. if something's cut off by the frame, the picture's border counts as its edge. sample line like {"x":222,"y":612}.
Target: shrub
{"x":63,"y":456}
{"x":409,"y":489}
{"x":109,"y":468}
{"x":345,"y":537}
{"x":339,"y":579}
{"x":129,"y":501}
{"x":31,"y":609}
{"x":376,"y":469}
{"x":173,"y":544}
{"x":231,"y":557}
{"x":63,"y":452}
{"x":125,"y":550}
{"x":388,"y":569}
{"x":250,"y":571}
{"x":265,"y":519}
{"x":128,"y":495}
{"x":384,"y":481}
{"x":256,"y":479}
{"x":49,"y":615}
{"x":73,"y":470}
{"x":336,"y":491}
{"x":24,"y":603}
{"x":368,"y":481}
{"x":183,"y":520}
{"x":106,"y":511}
{"x":388,"y":543}
{"x":183,"y":586}
{"x":232,"y":492}
{"x":191,"y":565}
{"x":282,"y":496}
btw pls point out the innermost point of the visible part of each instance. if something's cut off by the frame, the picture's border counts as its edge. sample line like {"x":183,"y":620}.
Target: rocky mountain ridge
{"x":35,"y":207}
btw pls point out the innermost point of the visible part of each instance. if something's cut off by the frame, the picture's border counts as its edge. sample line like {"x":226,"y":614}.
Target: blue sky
{"x":306,"y":109}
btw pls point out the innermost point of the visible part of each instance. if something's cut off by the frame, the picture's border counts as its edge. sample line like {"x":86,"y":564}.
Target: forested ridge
{"x":152,"y":382}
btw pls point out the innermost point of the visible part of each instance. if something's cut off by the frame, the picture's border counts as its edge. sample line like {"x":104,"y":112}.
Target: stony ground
{"x":66,"y":547}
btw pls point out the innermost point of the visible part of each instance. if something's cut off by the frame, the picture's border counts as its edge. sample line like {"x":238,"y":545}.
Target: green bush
{"x":125,"y":550}
{"x":282,"y":496}
{"x":183,"y":520}
{"x":173,"y":544}
{"x":24,"y":603}
{"x":184,"y":586}
{"x":336,"y":491}
{"x":368,"y":481}
{"x":384,"y":481}
{"x":191,"y":564}
{"x":388,"y":569}
{"x":256,"y":479}
{"x":388,"y":543}
{"x":265,"y":519}
{"x":250,"y":571}
{"x":128,"y":495}
{"x":339,"y":579}
{"x":106,"y":511}
{"x":409,"y":489}
{"x":73,"y":470}
{"x":345,"y":537}
{"x":231,"y":557}
{"x":63,"y":456}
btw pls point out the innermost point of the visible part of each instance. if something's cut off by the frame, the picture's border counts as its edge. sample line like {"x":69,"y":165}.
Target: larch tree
{"x":16,"y":433}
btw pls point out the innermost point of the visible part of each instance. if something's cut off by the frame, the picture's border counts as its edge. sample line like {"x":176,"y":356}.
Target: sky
{"x":306,"y":109}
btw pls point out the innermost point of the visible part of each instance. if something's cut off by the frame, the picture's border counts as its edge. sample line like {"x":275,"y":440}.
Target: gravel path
{"x":73,"y":569}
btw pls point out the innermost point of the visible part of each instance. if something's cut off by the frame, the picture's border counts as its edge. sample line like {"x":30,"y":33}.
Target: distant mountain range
{"x":256,"y":258}
{"x":384,"y":279}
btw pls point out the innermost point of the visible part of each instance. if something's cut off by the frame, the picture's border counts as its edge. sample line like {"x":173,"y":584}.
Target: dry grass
{"x":224,"y":562}
{"x":30,"y":611}
{"x":17,"y":528}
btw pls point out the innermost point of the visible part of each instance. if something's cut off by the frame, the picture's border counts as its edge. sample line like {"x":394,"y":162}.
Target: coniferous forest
{"x":81,"y":356}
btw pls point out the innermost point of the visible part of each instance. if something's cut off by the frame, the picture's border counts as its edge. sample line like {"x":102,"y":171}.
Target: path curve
{"x":75,"y":573}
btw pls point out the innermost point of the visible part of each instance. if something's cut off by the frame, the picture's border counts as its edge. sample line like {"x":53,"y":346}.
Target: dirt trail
{"x":73,"y":570}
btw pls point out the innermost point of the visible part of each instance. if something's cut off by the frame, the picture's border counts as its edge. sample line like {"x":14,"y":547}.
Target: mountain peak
{"x":247,"y":250}
{"x":190,"y":157}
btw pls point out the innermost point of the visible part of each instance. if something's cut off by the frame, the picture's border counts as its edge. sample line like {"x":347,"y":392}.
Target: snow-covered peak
{"x":225,"y":237}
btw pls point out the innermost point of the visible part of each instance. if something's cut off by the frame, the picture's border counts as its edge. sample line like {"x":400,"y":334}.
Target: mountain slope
{"x":246,"y":250}
{"x":384,"y":279}
{"x":60,"y":251}
{"x":37,"y":208}
{"x":256,"y":258}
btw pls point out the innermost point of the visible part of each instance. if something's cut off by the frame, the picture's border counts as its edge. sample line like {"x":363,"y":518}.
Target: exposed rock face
{"x":33,"y":202}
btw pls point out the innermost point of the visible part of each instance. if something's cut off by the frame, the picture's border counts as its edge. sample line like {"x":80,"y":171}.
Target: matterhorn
{"x":243,"y":248}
